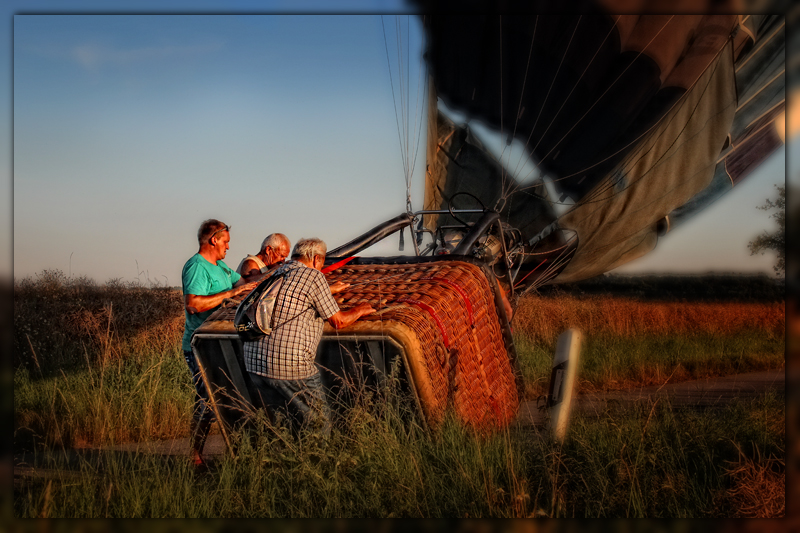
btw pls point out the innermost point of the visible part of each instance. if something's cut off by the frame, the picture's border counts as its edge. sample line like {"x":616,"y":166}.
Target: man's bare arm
{"x":342,"y":319}
{"x":250,"y":270}
{"x":195,"y":303}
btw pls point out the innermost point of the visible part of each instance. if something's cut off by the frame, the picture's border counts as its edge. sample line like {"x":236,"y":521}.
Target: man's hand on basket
{"x":338,"y":286}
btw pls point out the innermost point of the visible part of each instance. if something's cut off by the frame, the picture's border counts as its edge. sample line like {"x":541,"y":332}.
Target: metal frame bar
{"x":383,"y":338}
{"x":238,"y":380}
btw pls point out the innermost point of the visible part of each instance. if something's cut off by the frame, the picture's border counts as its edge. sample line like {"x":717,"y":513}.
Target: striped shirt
{"x":303,"y":304}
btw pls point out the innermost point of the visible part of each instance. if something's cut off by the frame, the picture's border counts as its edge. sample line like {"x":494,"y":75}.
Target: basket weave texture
{"x":459,"y":359}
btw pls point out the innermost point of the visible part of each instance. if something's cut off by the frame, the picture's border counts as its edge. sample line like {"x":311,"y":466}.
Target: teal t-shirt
{"x":202,"y":278}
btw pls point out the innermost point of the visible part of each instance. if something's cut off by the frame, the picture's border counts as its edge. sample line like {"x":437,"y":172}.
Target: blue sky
{"x":129,"y":130}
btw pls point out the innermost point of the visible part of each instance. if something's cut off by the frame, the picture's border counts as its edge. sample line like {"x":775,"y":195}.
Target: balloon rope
{"x":762,"y":89}
{"x":591,"y":61}
{"x":680,"y":102}
{"x":336,"y":266}
{"x":405,"y":84}
{"x":407,"y":137}
{"x":502,"y":168}
{"x":761,"y":45}
{"x":549,"y":271}
{"x":552,"y":121}
{"x":607,"y":89}
{"x":587,"y":112}
{"x":552,"y":84}
{"x":403,"y":98}
{"x":515,"y":184}
{"x":391,"y":82}
{"x":566,"y":51}
{"x":417,"y":113}
{"x":517,"y":284}
{"x":522,"y":95}
{"x":410,"y":157}
{"x":509,"y":187}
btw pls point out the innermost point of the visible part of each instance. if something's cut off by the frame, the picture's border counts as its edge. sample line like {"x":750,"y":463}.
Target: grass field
{"x":638,"y":343}
{"x":96,"y":365}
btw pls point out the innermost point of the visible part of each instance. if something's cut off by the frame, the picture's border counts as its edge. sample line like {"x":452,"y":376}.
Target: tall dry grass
{"x":58,"y":320}
{"x":651,"y":461}
{"x":757,"y":486}
{"x":542,"y":319}
{"x":95,"y":364}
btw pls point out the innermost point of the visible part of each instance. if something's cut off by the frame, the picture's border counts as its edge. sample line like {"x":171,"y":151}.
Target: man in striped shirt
{"x":281,"y":365}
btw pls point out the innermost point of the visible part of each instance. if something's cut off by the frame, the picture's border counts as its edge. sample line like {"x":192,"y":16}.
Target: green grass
{"x":661,"y":462}
{"x":120,"y":400}
{"x":611,"y":361}
{"x":649,"y":462}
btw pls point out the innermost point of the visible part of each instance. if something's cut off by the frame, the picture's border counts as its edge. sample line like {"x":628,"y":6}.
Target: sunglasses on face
{"x":224,"y":228}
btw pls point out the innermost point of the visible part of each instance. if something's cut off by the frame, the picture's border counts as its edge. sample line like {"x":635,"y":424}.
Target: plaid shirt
{"x":303,"y":304}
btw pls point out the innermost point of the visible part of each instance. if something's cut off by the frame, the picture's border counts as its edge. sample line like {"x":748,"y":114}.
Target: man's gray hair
{"x":275,"y":241}
{"x":309,"y":248}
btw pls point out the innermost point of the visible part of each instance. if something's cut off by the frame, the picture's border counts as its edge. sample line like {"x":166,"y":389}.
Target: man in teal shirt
{"x":207,"y":281}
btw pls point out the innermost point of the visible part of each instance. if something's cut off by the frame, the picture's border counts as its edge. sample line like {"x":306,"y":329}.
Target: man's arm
{"x":195,"y":303}
{"x":250,"y":270}
{"x":342,"y":319}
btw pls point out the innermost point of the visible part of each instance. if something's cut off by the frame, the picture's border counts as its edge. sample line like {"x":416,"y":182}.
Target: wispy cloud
{"x":94,"y":56}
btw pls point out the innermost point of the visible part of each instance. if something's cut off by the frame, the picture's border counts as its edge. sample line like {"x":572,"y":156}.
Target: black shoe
{"x":200,"y":466}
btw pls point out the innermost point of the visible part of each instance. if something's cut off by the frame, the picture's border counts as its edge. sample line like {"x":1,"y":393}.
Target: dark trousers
{"x":300,"y":401}
{"x":202,"y":412}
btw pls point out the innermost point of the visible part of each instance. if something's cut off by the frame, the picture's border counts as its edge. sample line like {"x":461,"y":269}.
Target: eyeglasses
{"x":279,"y":253}
{"x":224,"y":228}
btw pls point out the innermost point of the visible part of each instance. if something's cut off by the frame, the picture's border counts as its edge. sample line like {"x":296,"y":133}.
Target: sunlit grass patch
{"x":631,"y":343}
{"x":543,"y":318}
{"x":757,"y":487}
{"x":117,"y":401}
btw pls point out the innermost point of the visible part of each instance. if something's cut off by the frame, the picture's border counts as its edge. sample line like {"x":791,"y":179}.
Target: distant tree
{"x":776,"y":240}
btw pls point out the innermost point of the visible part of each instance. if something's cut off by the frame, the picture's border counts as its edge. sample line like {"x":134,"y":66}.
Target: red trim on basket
{"x":334,"y":266}
{"x":463,"y":294}
{"x":431,"y":312}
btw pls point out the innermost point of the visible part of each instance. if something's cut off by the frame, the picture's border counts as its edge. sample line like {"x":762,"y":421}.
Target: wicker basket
{"x":445,"y":314}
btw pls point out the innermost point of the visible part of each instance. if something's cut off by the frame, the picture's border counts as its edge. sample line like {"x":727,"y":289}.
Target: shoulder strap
{"x":245,"y":320}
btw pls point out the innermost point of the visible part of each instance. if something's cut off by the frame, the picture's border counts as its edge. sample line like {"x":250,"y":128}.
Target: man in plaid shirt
{"x":281,"y":365}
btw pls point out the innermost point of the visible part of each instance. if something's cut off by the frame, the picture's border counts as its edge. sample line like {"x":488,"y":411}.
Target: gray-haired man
{"x":274,"y":251}
{"x":281,"y":365}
